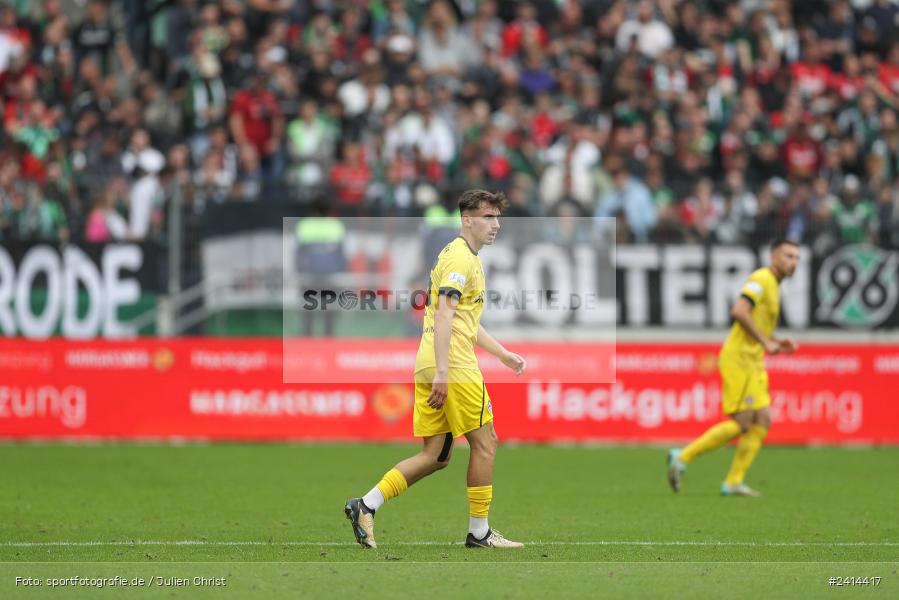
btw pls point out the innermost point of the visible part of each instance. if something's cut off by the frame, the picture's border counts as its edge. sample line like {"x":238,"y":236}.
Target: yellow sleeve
{"x":754,"y":288}
{"x":454,"y":275}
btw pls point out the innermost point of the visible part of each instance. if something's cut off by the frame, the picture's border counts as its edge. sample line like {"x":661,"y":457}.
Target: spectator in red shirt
{"x":888,"y":72}
{"x":351,"y":176}
{"x":351,"y":43}
{"x":802,"y":154}
{"x":850,"y":81}
{"x":16,"y":109}
{"x":810,"y":75}
{"x":10,"y":27}
{"x":256,"y":119}
{"x":524,"y":26}
{"x":543,"y":124}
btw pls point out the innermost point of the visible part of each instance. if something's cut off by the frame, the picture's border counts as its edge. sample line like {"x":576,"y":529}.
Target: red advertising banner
{"x":334,"y":360}
{"x":232,"y":389}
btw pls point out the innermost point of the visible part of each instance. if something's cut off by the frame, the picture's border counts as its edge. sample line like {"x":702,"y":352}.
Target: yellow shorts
{"x":467,"y":404}
{"x":743,"y":389}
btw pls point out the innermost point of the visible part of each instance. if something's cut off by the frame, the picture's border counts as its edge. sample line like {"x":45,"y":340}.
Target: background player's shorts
{"x":743,"y":389}
{"x":467,"y":404}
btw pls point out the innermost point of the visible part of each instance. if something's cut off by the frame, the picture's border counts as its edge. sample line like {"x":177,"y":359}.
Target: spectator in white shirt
{"x":444,"y":50}
{"x":424,"y":130}
{"x":145,"y":198}
{"x":365,"y":94}
{"x":569,"y":172}
{"x":653,"y":35}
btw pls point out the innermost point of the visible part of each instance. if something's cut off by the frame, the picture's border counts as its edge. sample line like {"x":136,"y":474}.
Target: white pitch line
{"x":425,"y":543}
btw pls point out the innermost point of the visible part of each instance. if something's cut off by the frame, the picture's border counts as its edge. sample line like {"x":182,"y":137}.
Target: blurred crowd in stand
{"x":705,"y":121}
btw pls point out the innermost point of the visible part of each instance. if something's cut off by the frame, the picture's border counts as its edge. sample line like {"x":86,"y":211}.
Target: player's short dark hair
{"x":472,"y":199}
{"x":778,"y":242}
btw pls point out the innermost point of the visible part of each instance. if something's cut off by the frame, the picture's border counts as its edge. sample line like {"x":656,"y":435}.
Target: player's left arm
{"x":510,"y":359}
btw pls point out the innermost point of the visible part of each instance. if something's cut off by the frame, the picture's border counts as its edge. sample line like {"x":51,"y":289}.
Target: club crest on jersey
{"x":457,"y":278}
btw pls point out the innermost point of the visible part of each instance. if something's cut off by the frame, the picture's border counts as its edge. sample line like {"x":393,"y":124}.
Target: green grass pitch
{"x":599,"y":523}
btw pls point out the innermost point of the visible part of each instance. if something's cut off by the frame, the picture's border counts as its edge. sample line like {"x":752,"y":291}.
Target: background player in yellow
{"x":450,"y":396}
{"x":744,"y":382}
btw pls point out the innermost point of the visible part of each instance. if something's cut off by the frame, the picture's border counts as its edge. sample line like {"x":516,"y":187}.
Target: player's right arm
{"x":453,"y":273}
{"x":741,"y":312}
{"x":751,"y":294}
{"x":443,"y":330}
{"x":787,"y":345}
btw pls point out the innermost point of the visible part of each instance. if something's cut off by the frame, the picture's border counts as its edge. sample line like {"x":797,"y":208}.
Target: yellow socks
{"x":747,"y":449}
{"x":392,"y":484}
{"x":714,"y":437}
{"x":718,"y":435}
{"x":479,"y":499}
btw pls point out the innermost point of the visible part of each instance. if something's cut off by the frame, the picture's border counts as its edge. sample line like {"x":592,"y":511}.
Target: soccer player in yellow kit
{"x":744,"y":390}
{"x":451,"y":399}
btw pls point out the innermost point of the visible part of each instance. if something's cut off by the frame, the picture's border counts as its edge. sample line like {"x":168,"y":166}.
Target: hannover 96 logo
{"x":857,"y":286}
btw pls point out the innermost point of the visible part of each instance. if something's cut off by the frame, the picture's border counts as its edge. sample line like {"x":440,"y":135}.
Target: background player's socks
{"x":391,"y":485}
{"x":747,"y":449}
{"x":714,"y":437}
{"x":479,"y":498}
{"x":373,"y":499}
{"x":478,"y":527}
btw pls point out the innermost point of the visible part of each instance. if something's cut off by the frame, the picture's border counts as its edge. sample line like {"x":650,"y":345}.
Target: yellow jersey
{"x":741,"y":349}
{"x":458,"y":273}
